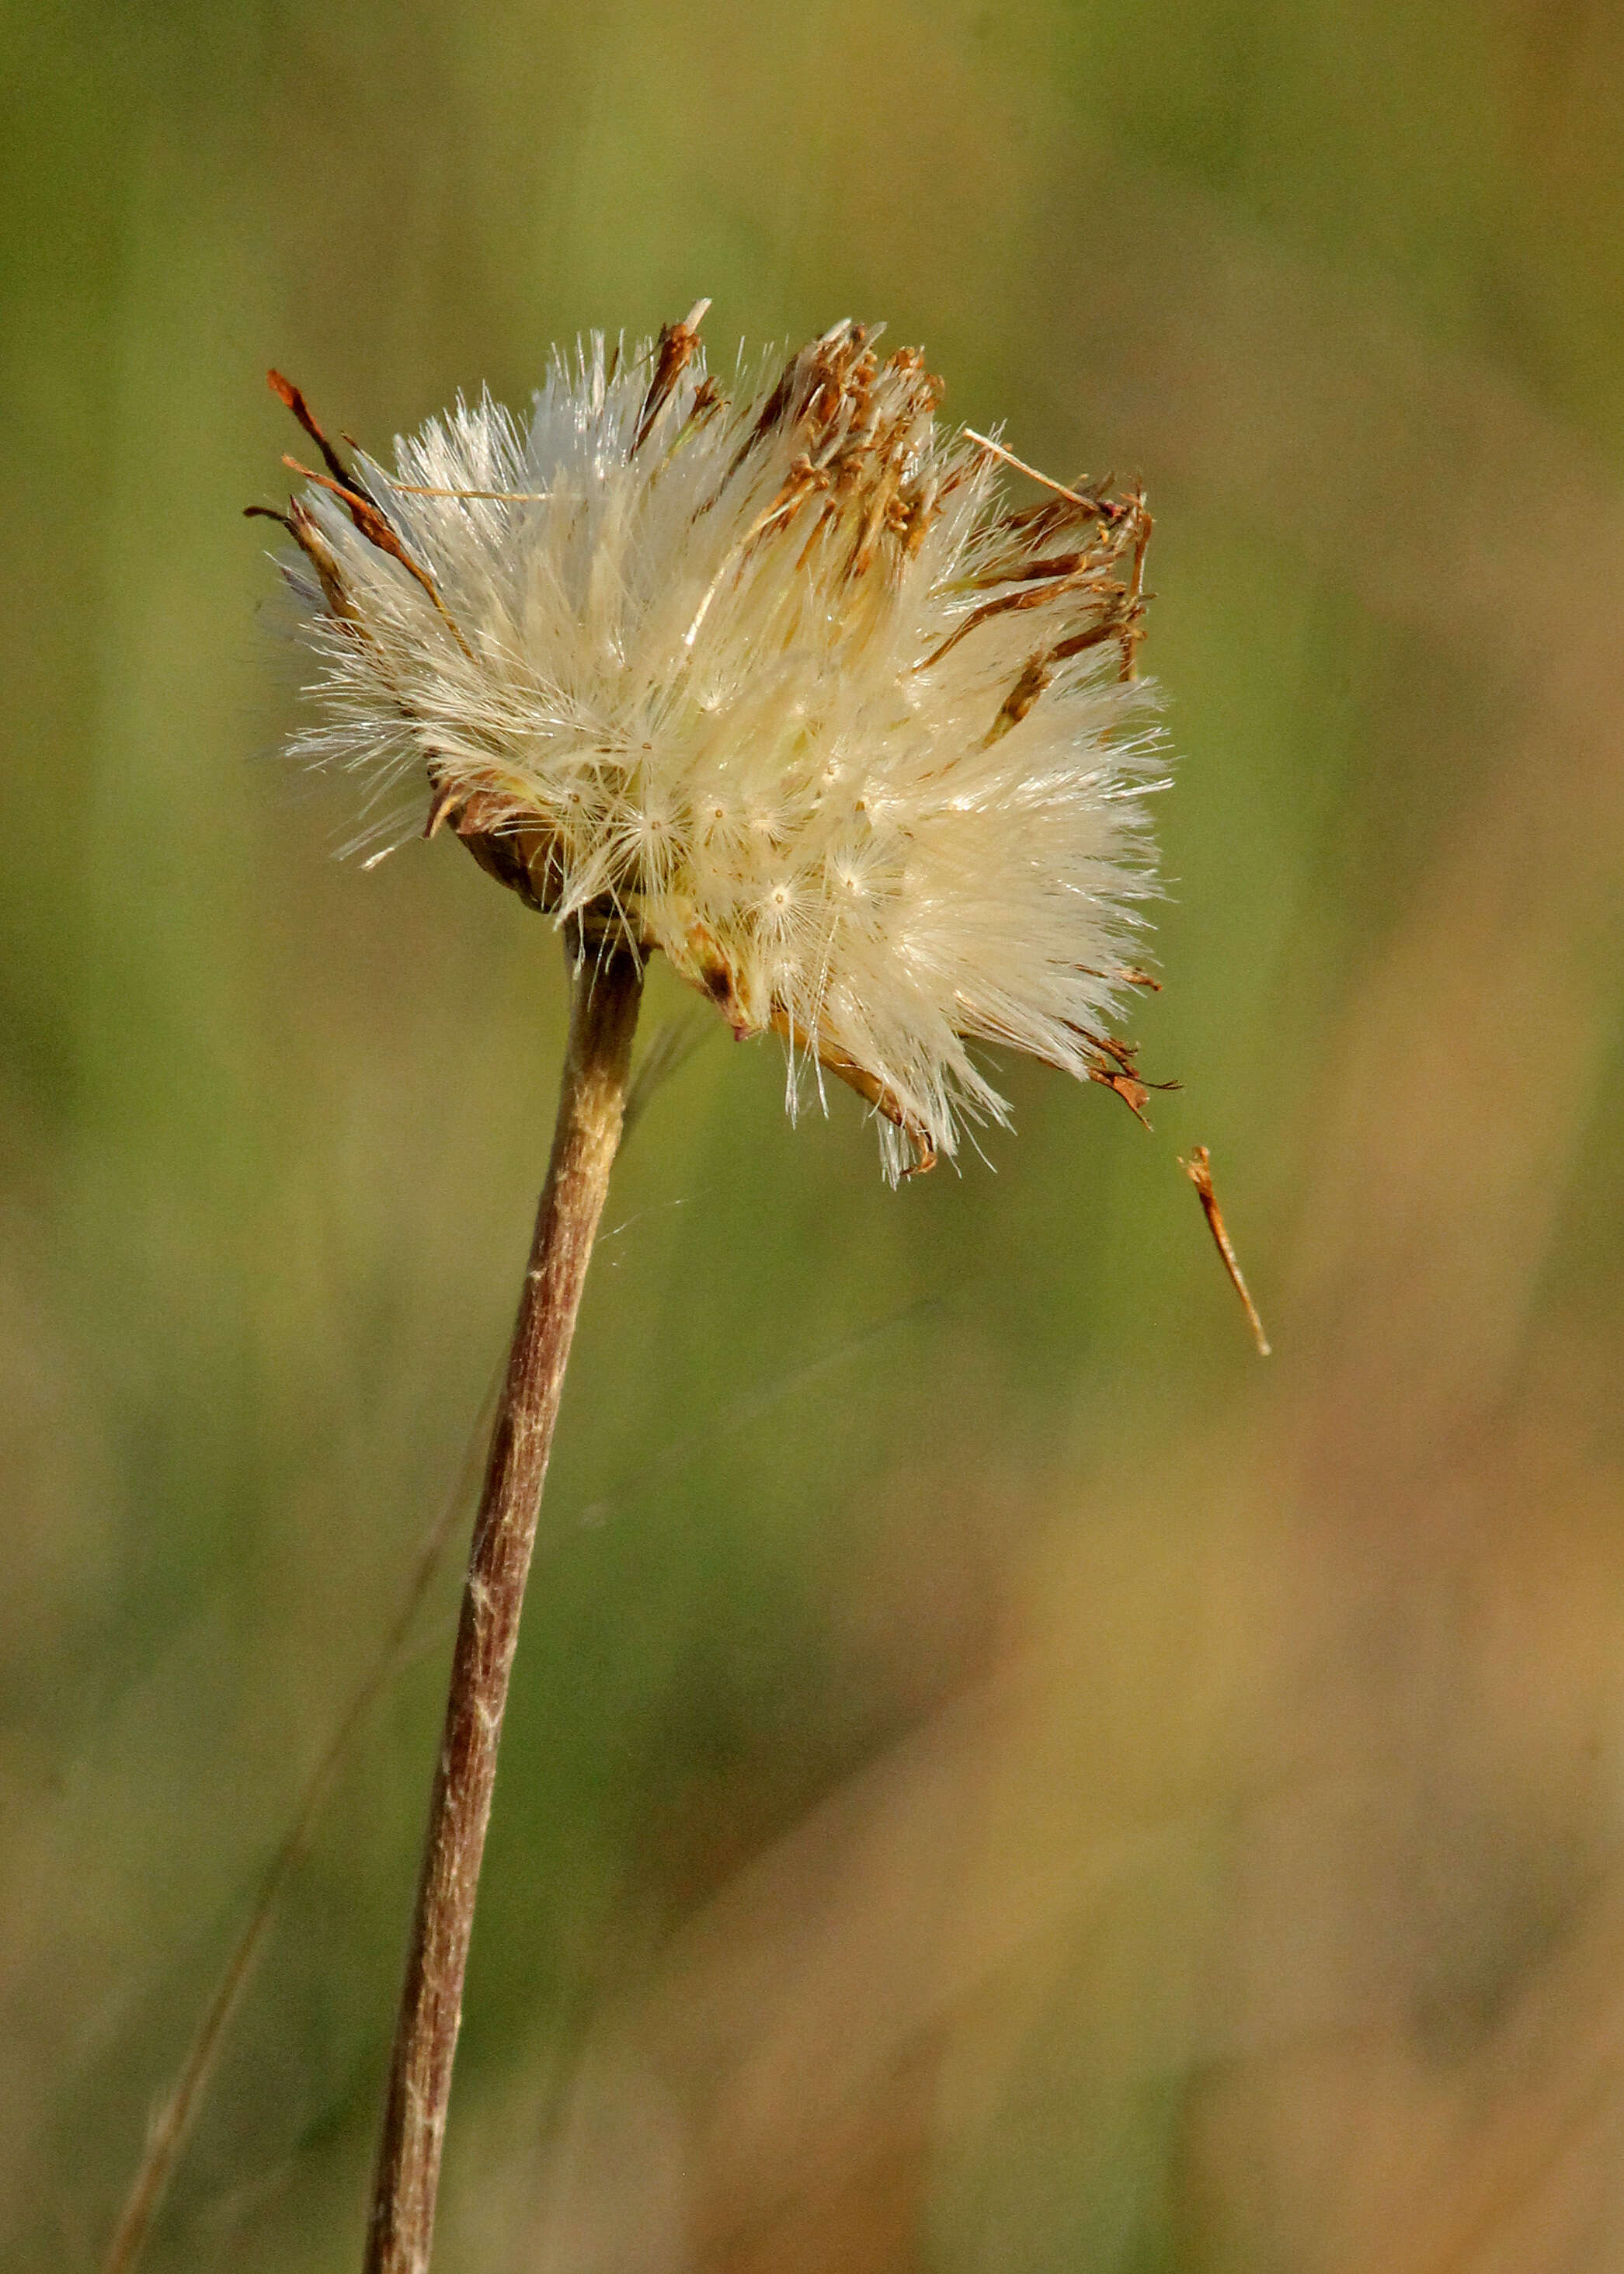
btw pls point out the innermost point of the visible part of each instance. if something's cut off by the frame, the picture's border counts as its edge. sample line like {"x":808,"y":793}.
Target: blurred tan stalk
{"x":172,"y":2121}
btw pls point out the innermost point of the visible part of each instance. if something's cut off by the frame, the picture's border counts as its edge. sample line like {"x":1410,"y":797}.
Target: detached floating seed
{"x":1199,"y":1169}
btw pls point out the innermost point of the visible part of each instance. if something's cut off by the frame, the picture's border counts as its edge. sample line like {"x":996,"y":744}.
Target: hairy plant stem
{"x":607,"y":990}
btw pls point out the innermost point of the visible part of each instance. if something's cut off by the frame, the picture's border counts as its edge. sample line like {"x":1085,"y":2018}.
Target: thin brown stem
{"x":606,"y":993}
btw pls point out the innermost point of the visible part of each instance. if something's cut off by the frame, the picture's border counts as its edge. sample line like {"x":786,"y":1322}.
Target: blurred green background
{"x":998,"y":1779}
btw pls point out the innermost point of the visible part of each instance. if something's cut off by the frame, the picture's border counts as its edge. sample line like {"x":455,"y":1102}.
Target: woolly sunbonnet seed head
{"x":775,"y":681}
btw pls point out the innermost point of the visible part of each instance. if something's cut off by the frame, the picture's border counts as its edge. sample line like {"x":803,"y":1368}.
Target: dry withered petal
{"x":286,"y":392}
{"x":674,"y":350}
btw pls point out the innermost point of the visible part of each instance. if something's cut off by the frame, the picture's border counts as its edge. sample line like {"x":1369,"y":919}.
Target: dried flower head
{"x":777,"y":682}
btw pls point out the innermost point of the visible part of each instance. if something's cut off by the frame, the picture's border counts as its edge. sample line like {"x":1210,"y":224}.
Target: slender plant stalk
{"x":606,"y":992}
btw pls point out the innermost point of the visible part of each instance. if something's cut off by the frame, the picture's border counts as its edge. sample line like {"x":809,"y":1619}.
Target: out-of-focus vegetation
{"x":997,"y":1778}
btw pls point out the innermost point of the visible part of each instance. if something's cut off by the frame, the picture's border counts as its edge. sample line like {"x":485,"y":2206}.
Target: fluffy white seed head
{"x":778,"y":683}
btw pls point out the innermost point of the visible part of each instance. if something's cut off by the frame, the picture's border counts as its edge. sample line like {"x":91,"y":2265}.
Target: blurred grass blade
{"x":172,"y":2121}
